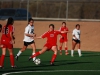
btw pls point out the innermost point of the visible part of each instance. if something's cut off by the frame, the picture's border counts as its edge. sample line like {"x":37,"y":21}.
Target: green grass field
{"x":88,"y":64}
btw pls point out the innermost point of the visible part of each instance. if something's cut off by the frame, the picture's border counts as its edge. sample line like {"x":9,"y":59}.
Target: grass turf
{"x":89,"y":64}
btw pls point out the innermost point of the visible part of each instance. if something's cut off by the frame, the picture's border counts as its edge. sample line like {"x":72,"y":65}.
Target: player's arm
{"x":74,"y":37}
{"x":43,"y":36}
{"x":73,"y":34}
{"x":30,"y":35}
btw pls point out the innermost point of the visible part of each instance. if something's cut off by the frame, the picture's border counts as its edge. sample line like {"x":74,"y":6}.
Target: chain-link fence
{"x":66,"y":9}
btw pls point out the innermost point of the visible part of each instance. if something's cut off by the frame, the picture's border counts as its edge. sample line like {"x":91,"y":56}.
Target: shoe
{"x":60,"y":53}
{"x":80,"y":55}
{"x":1,"y":67}
{"x":66,"y":53}
{"x":72,"y":55}
{"x":13,"y":67}
{"x":16,"y":57}
{"x":52,"y":64}
{"x":29,"y":58}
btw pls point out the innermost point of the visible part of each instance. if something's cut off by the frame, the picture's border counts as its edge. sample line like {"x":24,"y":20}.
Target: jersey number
{"x":32,"y":30}
{"x":6,"y":32}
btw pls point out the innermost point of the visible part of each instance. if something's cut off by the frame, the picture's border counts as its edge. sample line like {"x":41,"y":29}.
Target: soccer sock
{"x":2,"y":60}
{"x":72,"y":52}
{"x":34,"y":57}
{"x":36,"y":54}
{"x":19,"y":53}
{"x":79,"y":52}
{"x":12,"y":60}
{"x":53,"y":58}
{"x":60,"y":48}
{"x":66,"y":49}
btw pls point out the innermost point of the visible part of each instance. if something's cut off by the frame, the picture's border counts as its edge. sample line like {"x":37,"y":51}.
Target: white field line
{"x":53,"y":71}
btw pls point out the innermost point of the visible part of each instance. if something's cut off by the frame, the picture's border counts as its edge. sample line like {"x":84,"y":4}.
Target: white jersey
{"x":28,"y":30}
{"x":76,"y":33}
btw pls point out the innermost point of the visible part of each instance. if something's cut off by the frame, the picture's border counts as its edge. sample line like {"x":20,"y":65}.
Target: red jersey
{"x":64,"y":29}
{"x":6,"y":36}
{"x":51,"y":37}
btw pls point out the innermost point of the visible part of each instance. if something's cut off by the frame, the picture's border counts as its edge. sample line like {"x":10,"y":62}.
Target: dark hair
{"x":64,"y":23}
{"x":52,"y":26}
{"x":77,"y":25}
{"x":0,"y":27}
{"x":10,"y":21}
{"x":30,"y":19}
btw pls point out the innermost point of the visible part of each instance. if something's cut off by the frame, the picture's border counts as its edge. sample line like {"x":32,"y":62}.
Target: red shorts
{"x":63,"y":39}
{"x":49,"y":46}
{"x":6,"y":44}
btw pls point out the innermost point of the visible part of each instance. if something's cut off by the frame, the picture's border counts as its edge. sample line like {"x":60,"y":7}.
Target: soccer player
{"x":51,"y":36}
{"x":7,"y":42}
{"x":76,"y":40}
{"x":28,"y":38}
{"x":63,"y":38}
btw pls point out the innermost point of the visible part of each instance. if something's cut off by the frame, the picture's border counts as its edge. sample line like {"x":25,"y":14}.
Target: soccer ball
{"x":37,"y":61}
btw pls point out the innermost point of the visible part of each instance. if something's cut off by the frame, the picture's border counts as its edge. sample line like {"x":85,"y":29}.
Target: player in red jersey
{"x":51,"y":36}
{"x":7,"y":40}
{"x":63,"y":38}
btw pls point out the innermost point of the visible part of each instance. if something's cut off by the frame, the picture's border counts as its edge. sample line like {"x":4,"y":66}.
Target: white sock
{"x":72,"y":52}
{"x":19,"y":53}
{"x":79,"y":52}
{"x":34,"y":57}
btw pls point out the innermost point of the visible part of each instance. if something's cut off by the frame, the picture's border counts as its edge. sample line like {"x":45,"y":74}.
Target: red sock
{"x":12,"y":60}
{"x":66,"y":49}
{"x":2,"y":60}
{"x":60,"y":48}
{"x":36,"y":54}
{"x":53,"y":58}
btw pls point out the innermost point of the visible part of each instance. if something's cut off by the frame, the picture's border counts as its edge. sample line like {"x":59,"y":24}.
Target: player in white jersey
{"x":76,"y":40}
{"x":28,"y":38}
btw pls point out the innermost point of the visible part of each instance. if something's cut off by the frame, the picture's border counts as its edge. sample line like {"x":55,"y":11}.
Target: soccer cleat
{"x":13,"y":67}
{"x":66,"y":53}
{"x":80,"y":55}
{"x":72,"y":55}
{"x":52,"y":64}
{"x":29,"y":58}
{"x":16,"y":57}
{"x":60,"y":53}
{"x":1,"y":67}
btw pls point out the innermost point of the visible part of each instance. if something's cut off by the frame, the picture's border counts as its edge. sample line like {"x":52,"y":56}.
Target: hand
{"x":12,"y":42}
{"x":34,"y":35}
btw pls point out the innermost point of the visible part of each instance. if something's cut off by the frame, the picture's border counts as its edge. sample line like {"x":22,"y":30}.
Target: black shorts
{"x":77,"y":41}
{"x":28,"y":43}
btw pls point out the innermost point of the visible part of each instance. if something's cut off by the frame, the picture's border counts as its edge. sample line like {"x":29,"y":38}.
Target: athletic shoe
{"x":29,"y":58}
{"x":66,"y":53}
{"x":16,"y":57}
{"x":60,"y":53}
{"x":13,"y":67}
{"x":1,"y":67}
{"x":52,"y":64}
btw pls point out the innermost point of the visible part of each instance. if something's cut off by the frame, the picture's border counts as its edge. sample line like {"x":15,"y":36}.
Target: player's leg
{"x":34,"y":49}
{"x":73,"y":47}
{"x":20,"y":51}
{"x":2,"y":57}
{"x":11,"y":57}
{"x":54,"y":49}
{"x":79,"y":50}
{"x":66,"y":48}
{"x":38,"y":53}
{"x":60,"y":48}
